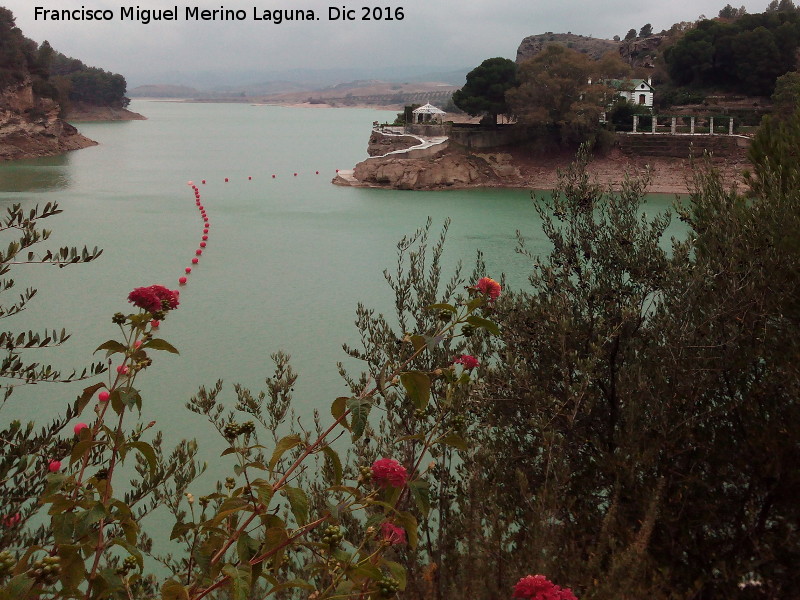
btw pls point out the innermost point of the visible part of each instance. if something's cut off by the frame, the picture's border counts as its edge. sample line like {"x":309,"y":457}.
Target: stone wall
{"x":682,"y":146}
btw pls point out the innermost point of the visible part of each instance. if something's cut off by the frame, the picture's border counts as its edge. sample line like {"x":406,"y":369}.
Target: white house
{"x":635,"y":91}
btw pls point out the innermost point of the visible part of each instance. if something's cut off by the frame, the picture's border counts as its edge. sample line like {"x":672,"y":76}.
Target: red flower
{"x":80,"y":427}
{"x":392,"y":534}
{"x":469,"y":361}
{"x":387,"y":472}
{"x":54,"y":466}
{"x":12,"y":520}
{"x":154,"y":298}
{"x":538,"y":587}
{"x":489,"y":287}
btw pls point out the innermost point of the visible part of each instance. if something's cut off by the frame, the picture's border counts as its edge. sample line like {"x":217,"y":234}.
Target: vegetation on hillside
{"x":53,"y":75}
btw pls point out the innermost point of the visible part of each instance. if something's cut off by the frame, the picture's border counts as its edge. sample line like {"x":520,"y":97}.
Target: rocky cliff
{"x":380,"y":144}
{"x":447,"y":170}
{"x":30,"y":126}
{"x":594,"y":47}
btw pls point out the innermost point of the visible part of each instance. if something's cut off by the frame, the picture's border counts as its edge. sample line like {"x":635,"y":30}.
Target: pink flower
{"x":392,"y":534}
{"x":80,"y":427}
{"x":103,"y":396}
{"x":12,"y":520}
{"x":469,"y":361}
{"x":489,"y":287}
{"x":154,"y":298}
{"x":538,"y":587}
{"x":387,"y":472}
{"x":154,"y":324}
{"x":54,"y":466}
{"x":122,"y":370}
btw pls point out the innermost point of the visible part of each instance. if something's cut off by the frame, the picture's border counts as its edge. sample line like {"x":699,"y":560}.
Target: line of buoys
{"x":206,"y":224}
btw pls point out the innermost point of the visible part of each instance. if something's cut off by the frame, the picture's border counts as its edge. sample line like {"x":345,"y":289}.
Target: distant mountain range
{"x":254,"y":83}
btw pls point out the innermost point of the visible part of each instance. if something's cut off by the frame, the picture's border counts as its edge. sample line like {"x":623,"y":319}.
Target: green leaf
{"x":148,"y":453}
{"x":421,"y":493}
{"x":454,"y":440}
{"x":418,"y":341}
{"x":442,"y":306}
{"x":335,"y":463}
{"x":246,"y":547}
{"x":130,"y":397}
{"x":418,"y":388}
{"x":409,"y":523}
{"x":85,"y":519}
{"x":72,"y":570}
{"x":81,"y":448}
{"x":475,"y":303}
{"x":365,"y":571}
{"x":19,"y":587}
{"x":286,"y":443}
{"x":227,"y":508}
{"x":299,"y":503}
{"x":486,"y":324}
{"x":86,"y":396}
{"x":159,"y":344}
{"x":111,"y":347}
{"x":292,"y":583}
{"x":263,"y":491}
{"x":338,"y":408}
{"x":359,"y":414}
{"x":172,"y":590}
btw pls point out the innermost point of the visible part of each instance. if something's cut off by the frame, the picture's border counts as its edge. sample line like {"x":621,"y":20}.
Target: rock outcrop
{"x":448,"y":170}
{"x":380,"y":144}
{"x":594,"y":47}
{"x":30,"y":127}
{"x":641,"y":52}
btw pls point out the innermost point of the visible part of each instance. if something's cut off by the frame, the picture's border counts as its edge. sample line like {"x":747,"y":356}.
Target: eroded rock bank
{"x":30,"y":127}
{"x":521,"y":168}
{"x":450,"y":169}
{"x":87,"y":112}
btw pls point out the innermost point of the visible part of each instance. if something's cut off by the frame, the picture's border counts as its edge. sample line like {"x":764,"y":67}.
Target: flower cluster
{"x":12,"y":520}
{"x":467,"y":360}
{"x":155,"y":298}
{"x":538,"y":587}
{"x":392,"y":534}
{"x":387,"y":472}
{"x":489,"y":287}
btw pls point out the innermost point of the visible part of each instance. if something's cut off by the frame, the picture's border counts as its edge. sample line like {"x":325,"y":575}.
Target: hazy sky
{"x":442,"y":33}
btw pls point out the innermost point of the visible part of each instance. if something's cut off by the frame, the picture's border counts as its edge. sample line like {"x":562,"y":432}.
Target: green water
{"x":287,"y":261}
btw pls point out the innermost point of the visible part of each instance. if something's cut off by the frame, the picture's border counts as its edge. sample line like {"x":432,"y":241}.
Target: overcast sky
{"x":442,"y":33}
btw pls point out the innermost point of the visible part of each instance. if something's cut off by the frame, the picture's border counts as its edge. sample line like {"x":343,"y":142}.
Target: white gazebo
{"x":428,"y":114}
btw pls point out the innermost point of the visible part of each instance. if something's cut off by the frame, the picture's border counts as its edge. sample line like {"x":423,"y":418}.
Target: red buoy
{"x":198,"y":252}
{"x":203,"y":182}
{"x":205,"y":237}
{"x":226,"y":180}
{"x":195,"y":261}
{"x":188,"y":269}
{"x":182,"y":280}
{"x":202,"y":244}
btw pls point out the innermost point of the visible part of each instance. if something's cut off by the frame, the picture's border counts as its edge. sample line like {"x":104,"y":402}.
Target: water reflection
{"x":51,"y":173}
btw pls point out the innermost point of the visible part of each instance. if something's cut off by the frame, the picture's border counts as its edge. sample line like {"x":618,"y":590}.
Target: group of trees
{"x":52,"y":74}
{"x":552,"y":92}
{"x":745,"y":55}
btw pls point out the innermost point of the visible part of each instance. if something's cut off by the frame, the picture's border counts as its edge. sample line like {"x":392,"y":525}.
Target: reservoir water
{"x":287,"y":260}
